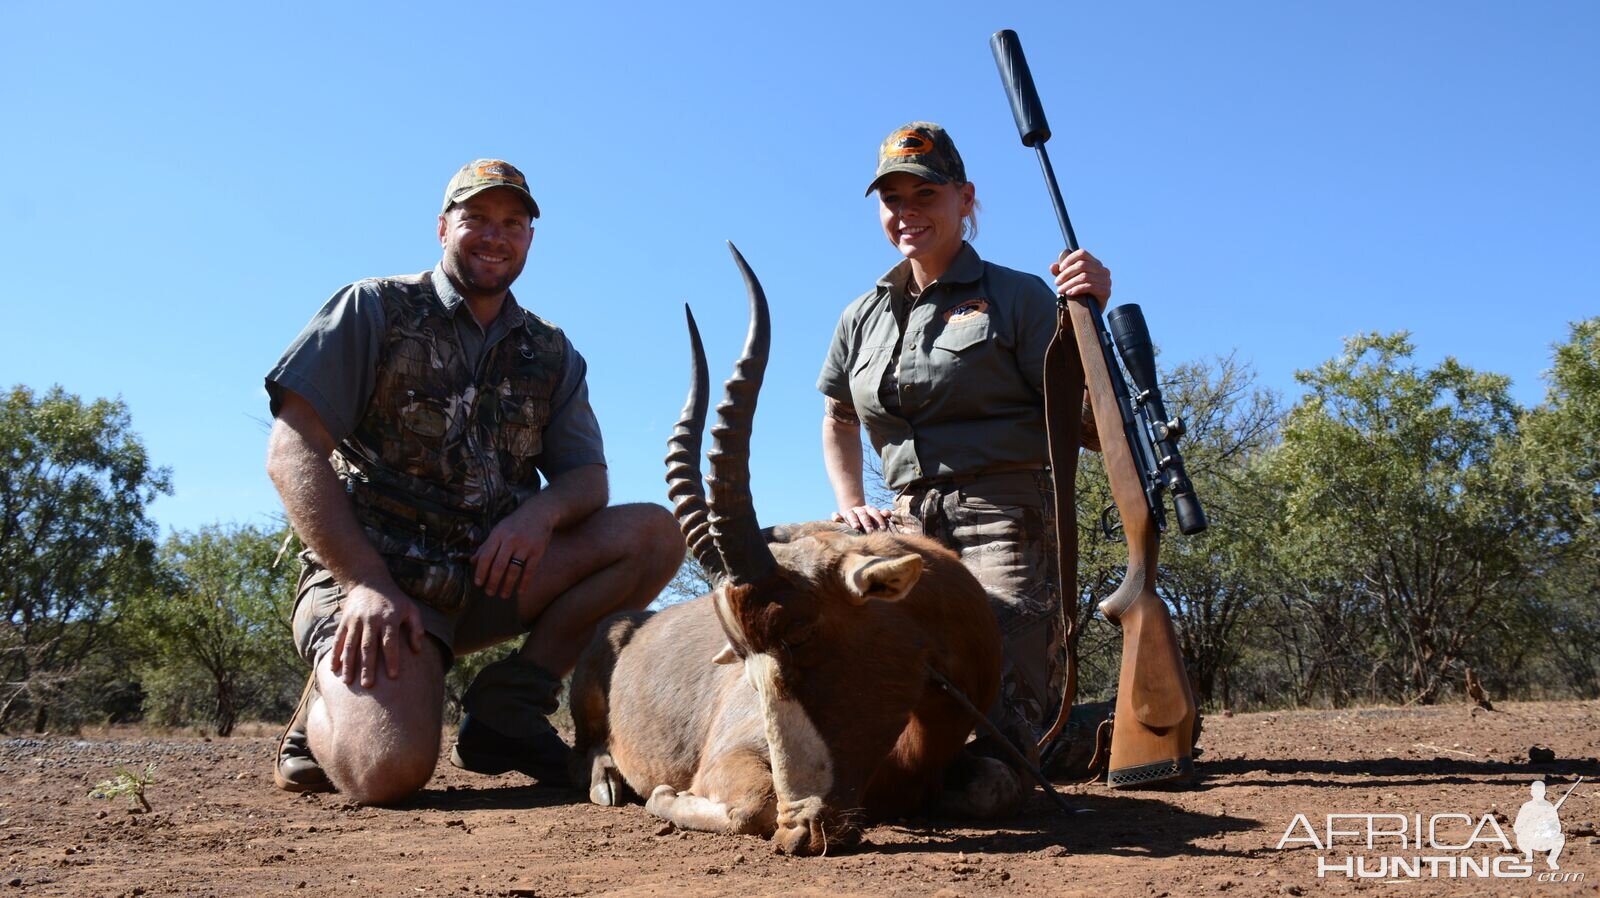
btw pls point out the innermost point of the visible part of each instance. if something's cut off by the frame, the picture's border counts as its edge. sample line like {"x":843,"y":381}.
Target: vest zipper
{"x":474,"y":432}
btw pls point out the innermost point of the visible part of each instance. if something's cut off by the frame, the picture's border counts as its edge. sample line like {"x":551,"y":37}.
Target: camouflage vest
{"x":442,"y":453}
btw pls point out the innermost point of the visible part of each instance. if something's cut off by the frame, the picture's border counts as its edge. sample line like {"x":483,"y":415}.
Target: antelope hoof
{"x":660,"y":801}
{"x":801,"y":839}
{"x":991,"y":788}
{"x":605,"y":783}
{"x":805,"y":828}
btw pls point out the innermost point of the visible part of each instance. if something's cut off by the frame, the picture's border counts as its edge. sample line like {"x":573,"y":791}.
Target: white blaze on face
{"x":801,"y":765}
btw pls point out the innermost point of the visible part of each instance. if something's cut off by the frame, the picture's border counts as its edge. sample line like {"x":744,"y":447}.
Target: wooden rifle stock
{"x":1152,"y":739}
{"x":1153,"y":736}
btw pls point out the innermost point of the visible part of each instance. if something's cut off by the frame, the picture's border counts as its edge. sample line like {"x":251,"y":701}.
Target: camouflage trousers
{"x":1003,"y":527}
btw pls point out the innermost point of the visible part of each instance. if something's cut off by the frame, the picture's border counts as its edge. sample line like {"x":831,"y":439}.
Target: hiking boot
{"x":1073,"y":753}
{"x":295,"y":769}
{"x":542,"y":754}
{"x":513,"y":696}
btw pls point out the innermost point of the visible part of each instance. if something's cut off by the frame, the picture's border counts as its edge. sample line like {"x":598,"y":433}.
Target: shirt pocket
{"x":522,"y":429}
{"x":866,"y":374}
{"x":424,"y":419}
{"x":408,"y":362}
{"x":964,"y":356}
{"x":424,"y":429}
{"x":958,"y":338}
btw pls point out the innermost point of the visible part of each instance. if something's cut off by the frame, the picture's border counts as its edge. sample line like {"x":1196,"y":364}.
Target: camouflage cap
{"x":923,"y":149}
{"x":481,"y":174}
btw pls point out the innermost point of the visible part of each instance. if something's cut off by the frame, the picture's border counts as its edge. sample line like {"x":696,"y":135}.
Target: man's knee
{"x":647,"y":519}
{"x":390,"y":778}
{"x":377,"y":765}
{"x":380,"y":745}
{"x":651,"y":535}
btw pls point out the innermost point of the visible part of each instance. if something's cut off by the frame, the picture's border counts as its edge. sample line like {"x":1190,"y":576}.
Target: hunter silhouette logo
{"x":1538,"y":825}
{"x":907,"y":143}
{"x":1398,"y":847}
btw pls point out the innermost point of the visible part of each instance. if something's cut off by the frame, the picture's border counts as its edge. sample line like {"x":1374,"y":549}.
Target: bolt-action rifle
{"x":1153,"y":735}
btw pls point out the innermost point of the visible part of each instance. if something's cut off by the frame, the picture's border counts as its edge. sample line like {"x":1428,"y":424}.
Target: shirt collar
{"x":451,"y":298}
{"x":966,"y":268}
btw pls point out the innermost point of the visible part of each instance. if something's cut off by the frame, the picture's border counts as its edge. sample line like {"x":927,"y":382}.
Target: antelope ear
{"x":875,"y":577}
{"x":726,"y":656}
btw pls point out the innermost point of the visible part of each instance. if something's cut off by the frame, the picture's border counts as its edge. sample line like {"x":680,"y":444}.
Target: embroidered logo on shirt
{"x":966,"y":311}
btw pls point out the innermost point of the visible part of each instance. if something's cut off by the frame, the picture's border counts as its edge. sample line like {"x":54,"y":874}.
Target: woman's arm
{"x":841,"y":454}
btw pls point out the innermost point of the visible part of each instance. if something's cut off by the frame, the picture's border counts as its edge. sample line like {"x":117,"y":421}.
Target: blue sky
{"x":186,"y":184}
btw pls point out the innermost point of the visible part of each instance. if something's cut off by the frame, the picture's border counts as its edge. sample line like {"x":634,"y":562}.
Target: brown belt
{"x":952,"y":480}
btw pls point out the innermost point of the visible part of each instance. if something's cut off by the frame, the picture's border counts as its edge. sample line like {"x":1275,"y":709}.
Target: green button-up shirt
{"x":968,"y":370}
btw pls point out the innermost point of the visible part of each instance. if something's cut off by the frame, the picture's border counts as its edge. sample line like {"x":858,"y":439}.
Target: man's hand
{"x":504,"y":565}
{"x":375,"y":611}
{"x":371,"y":626}
{"x":1079,"y":274}
{"x":864,"y":518}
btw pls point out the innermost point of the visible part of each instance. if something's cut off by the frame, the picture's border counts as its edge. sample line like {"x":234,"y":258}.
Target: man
{"x":412,"y":419}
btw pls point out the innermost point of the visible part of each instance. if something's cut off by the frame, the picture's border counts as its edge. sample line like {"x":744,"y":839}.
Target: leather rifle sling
{"x":1063,"y":426}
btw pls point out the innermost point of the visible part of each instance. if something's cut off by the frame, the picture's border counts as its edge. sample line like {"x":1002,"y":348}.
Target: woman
{"x":943,"y":362}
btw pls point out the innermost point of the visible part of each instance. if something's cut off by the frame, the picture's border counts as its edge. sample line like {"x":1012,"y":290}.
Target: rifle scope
{"x":1132,"y":337}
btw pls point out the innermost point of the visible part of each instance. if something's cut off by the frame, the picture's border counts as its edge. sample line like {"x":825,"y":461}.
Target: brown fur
{"x":653,"y":711}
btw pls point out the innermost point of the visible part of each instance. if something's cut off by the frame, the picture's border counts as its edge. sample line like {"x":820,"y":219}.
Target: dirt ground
{"x":218,"y":827}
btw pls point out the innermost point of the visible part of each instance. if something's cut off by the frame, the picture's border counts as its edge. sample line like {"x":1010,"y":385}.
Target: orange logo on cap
{"x":501,"y":171}
{"x":907,"y":143}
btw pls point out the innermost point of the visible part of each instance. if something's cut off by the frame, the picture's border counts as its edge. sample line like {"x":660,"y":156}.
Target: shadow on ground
{"x":1125,"y":824}
{"x":497,"y":797}
{"x":1390,"y":772}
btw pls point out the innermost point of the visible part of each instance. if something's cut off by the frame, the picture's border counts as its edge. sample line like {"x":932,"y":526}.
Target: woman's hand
{"x":1080,"y":274}
{"x":864,"y":518}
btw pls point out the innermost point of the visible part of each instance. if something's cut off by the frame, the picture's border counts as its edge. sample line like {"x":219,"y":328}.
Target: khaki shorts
{"x":316,"y":616}
{"x":1003,"y":527}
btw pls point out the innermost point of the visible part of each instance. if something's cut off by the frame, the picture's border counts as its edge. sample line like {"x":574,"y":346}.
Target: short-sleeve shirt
{"x":333,"y":365}
{"x":968,"y":370}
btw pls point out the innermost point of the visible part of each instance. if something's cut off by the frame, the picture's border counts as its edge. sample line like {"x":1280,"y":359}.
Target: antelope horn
{"x":745,"y":555}
{"x":684,"y":488}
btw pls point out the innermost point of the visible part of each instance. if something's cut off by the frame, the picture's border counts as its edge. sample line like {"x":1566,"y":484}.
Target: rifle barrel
{"x":1569,"y":793}
{"x":1029,"y":115}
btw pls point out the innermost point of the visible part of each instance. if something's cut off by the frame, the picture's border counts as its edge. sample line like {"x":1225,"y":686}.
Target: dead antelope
{"x":799,"y":699}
